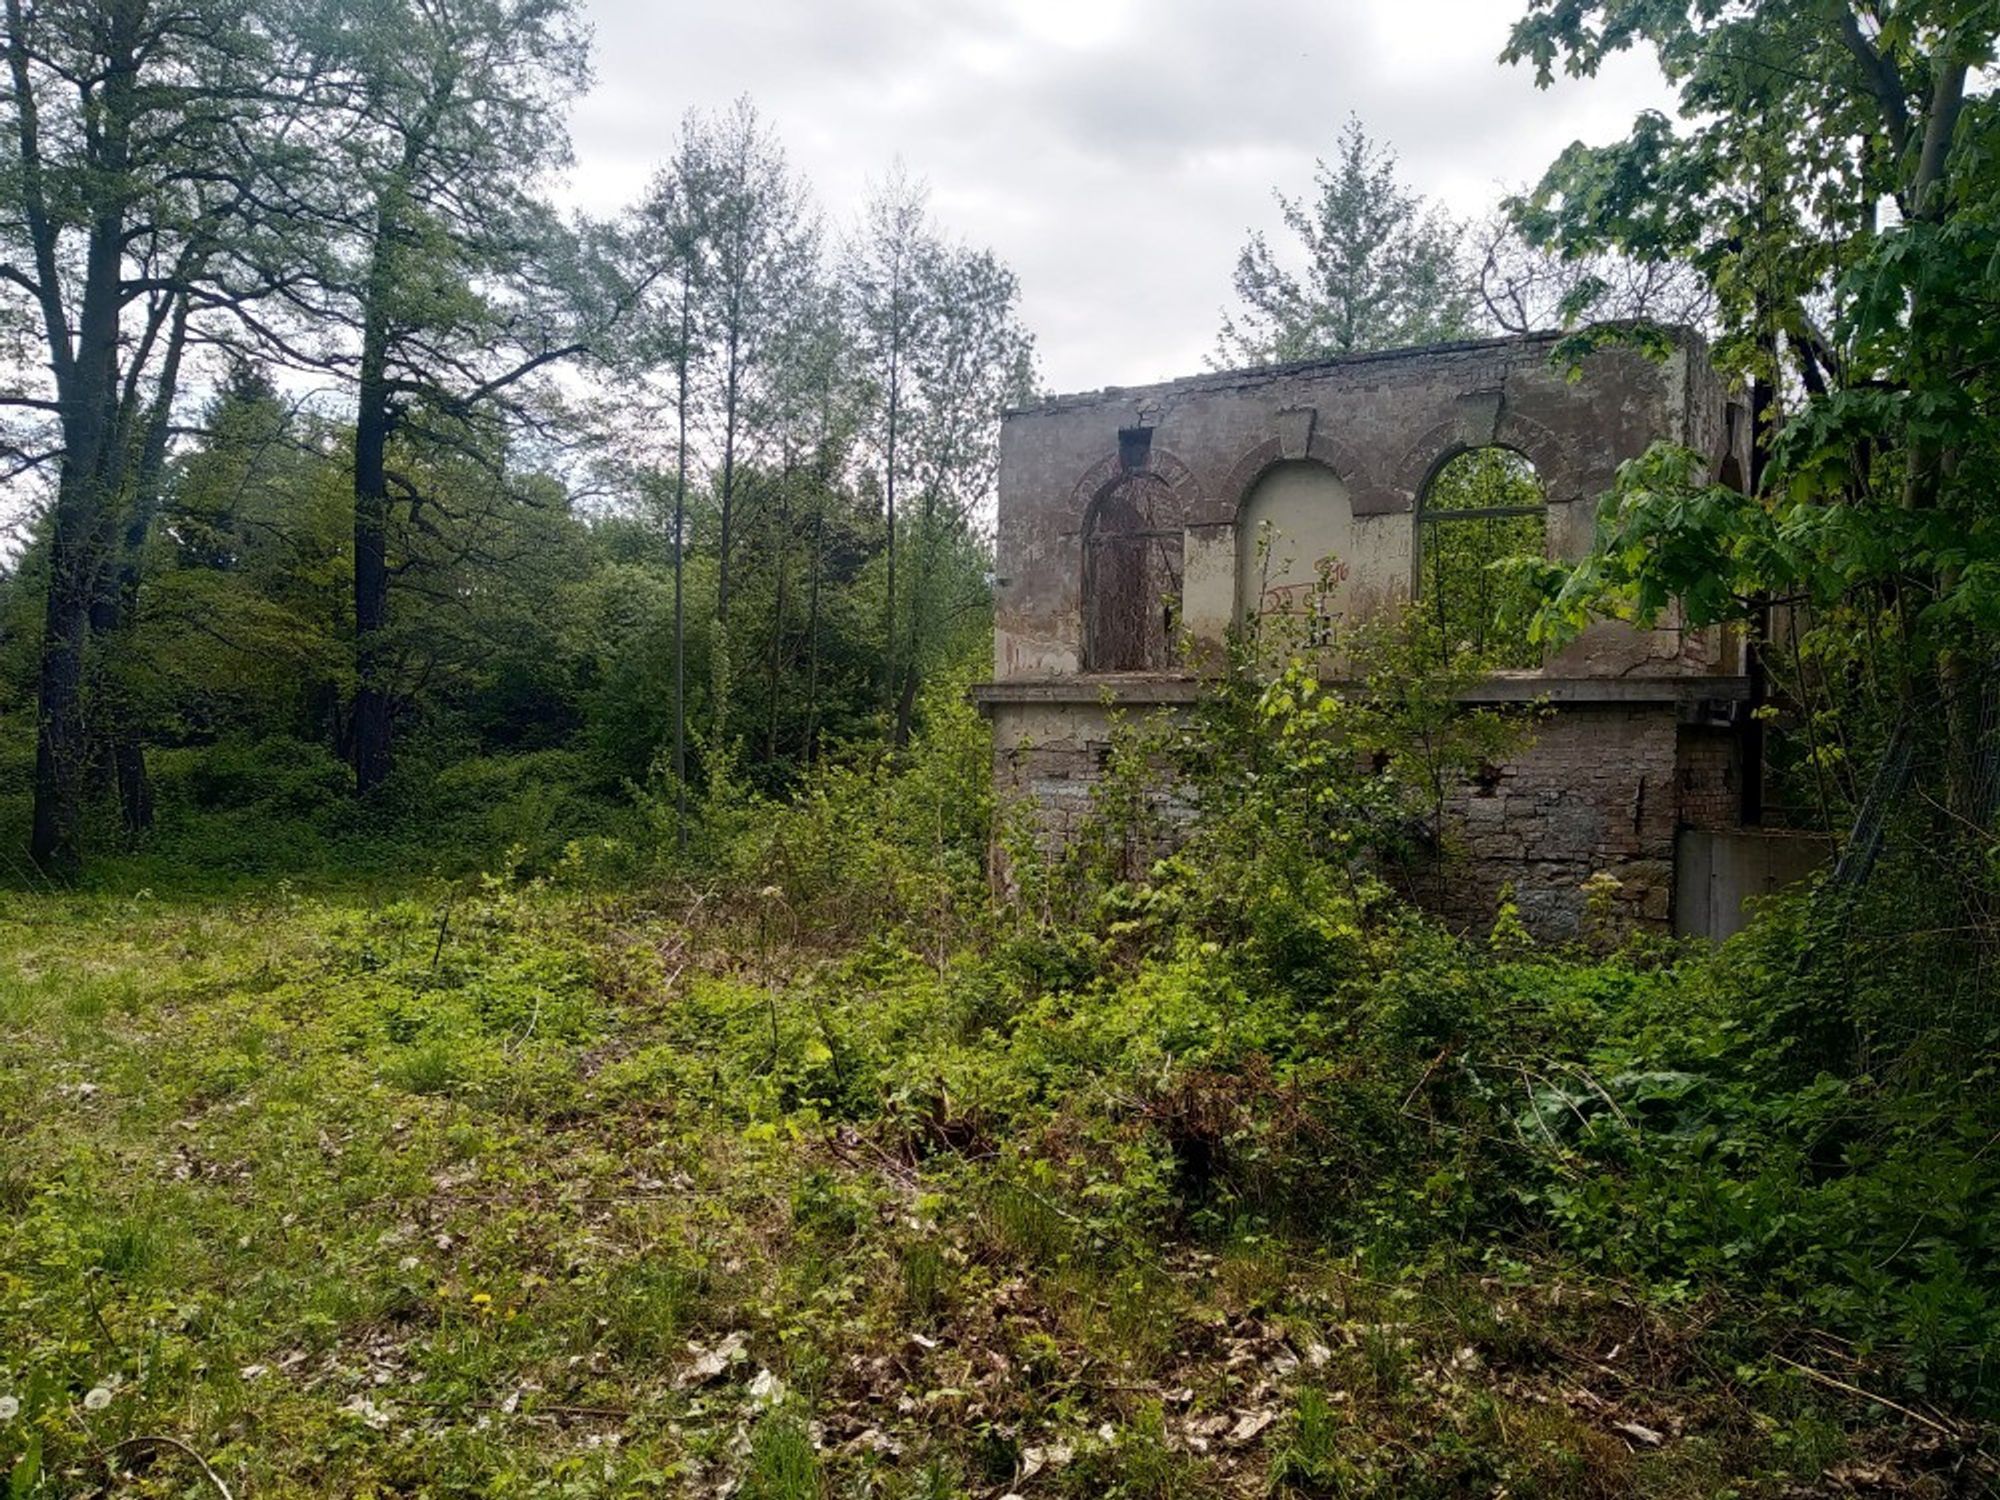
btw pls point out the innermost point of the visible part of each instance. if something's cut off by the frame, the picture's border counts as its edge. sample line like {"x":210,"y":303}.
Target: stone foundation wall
{"x":1592,"y":793}
{"x":1599,"y":789}
{"x":1052,"y":758}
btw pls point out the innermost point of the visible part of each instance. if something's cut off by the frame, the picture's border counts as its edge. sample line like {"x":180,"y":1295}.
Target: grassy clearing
{"x":504,"y":1191}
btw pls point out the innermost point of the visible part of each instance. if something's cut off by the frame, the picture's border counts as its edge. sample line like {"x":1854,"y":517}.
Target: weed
{"x":1140,"y":1463}
{"x":1310,"y":1459}
{"x":783,"y":1465}
{"x":429,"y":1068}
{"x":924,"y":1277}
{"x":648,"y":1306}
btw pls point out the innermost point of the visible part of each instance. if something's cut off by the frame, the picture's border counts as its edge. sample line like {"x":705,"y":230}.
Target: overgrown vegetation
{"x":828,"y":1175}
{"x":654,"y":1084}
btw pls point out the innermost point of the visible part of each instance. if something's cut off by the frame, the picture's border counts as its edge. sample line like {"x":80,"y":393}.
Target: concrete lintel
{"x":1530,"y":687}
{"x":1151,"y":690}
{"x":1140,"y":690}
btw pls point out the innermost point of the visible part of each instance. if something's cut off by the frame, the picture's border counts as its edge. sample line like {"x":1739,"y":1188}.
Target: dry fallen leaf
{"x":1639,"y":1434}
{"x":1248,"y":1426}
{"x":711,"y":1364}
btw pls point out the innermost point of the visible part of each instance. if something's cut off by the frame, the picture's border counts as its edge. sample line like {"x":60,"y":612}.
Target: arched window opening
{"x":1484,"y":506}
{"x":1132,"y":564}
{"x":1295,"y":553}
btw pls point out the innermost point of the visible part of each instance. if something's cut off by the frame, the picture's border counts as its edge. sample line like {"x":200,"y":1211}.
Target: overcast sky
{"x":1114,"y":152}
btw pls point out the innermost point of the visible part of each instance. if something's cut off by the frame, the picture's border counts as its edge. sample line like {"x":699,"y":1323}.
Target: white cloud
{"x":1114,"y":152}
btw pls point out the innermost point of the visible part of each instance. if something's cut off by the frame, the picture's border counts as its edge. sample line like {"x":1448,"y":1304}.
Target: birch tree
{"x":975,"y":360}
{"x":882,"y":274}
{"x":669,"y":265}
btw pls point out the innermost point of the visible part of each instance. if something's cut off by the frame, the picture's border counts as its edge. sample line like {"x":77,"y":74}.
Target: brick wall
{"x":1709,"y":771}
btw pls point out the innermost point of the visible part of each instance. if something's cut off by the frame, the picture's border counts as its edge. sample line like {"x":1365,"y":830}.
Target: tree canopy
{"x":1381,"y":268}
{"x":1834,"y":179}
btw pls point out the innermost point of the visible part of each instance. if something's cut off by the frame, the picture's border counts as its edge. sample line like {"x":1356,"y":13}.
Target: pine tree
{"x":1383,"y":269}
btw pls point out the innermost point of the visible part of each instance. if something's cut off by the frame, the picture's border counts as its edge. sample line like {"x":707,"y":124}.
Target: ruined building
{"x":1130,"y":520}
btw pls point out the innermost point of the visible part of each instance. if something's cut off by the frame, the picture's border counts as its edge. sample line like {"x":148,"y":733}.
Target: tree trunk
{"x":61,"y":744}
{"x":775,"y":661}
{"x":116,"y":615}
{"x":680,"y":548}
{"x":812,"y":628}
{"x":135,"y":785}
{"x":906,"y":706}
{"x":906,"y":694}
{"x":87,"y":391}
{"x":372,"y":719}
{"x":722,"y":657}
{"x":727,"y":518}
{"x":889,"y":486}
{"x":114,"y":621}
{"x":371,"y":724}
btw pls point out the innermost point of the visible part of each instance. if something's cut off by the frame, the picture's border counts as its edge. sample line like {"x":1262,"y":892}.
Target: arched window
{"x":1133,"y":542}
{"x":1294,"y":551}
{"x":1482,"y":506}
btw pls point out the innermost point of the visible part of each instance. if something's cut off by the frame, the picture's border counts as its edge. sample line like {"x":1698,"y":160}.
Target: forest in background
{"x":388,"y":465}
{"x":525,"y":528}
{"x":495,"y":1002}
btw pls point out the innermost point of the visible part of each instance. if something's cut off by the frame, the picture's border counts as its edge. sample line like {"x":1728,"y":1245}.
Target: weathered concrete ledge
{"x":1125,"y":690}
{"x":1428,"y":356}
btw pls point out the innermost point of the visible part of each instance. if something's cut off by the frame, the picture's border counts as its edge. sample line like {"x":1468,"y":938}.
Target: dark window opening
{"x":1132,"y":559}
{"x":1482,"y":508}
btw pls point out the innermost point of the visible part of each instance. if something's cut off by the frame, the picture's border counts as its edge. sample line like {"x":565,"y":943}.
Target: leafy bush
{"x":538,"y":802}
{"x":282,"y":778}
{"x":885,"y":841}
{"x":1691,"y":1145}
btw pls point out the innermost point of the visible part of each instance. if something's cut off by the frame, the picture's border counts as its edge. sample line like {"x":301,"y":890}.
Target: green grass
{"x":509,"y":1191}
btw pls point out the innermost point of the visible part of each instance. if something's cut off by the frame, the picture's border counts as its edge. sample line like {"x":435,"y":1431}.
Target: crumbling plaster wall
{"x":1381,"y":425}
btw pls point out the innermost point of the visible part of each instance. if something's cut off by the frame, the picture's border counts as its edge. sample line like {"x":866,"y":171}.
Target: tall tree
{"x":1382,"y":268}
{"x":667,"y":256}
{"x":1833,"y":178}
{"x":763,"y":250}
{"x":142,"y":139}
{"x":975,"y":360}
{"x":882,"y":273}
{"x":812,"y":408}
{"x":452,"y":278}
{"x":721,"y":247}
